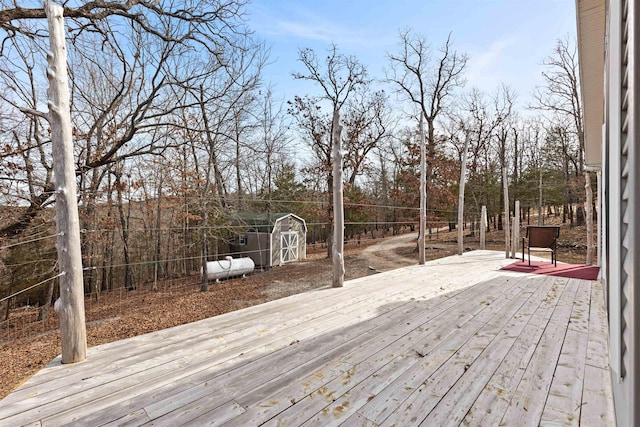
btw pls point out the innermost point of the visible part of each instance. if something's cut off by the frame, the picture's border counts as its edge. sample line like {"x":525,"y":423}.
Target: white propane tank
{"x":229,"y":267}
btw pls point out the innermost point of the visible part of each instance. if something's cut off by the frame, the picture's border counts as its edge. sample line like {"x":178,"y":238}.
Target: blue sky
{"x":506,"y":40}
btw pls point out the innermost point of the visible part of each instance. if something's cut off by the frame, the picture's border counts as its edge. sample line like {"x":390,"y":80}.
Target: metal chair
{"x":541,"y":238}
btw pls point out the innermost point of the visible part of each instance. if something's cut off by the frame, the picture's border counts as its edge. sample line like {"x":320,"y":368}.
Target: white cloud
{"x":299,"y":22}
{"x":319,"y":31}
{"x":490,"y":65}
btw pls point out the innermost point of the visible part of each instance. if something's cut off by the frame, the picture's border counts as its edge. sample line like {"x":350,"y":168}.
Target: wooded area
{"x":176,"y":132}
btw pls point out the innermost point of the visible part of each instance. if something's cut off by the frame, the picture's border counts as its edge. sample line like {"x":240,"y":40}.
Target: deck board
{"x":461,"y":397}
{"x":454,"y":342}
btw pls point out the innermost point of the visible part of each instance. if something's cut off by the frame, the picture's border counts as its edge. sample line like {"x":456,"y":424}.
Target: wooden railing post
{"x":70,"y":305}
{"x":483,"y":228}
{"x":507,"y":234}
{"x":516,"y":230}
{"x":423,"y":194}
{"x":463,"y":174}
{"x":338,"y":203}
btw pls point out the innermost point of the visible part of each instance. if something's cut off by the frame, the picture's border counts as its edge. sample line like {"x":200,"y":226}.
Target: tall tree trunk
{"x":338,"y":204}
{"x":239,"y":190}
{"x":220,"y":186}
{"x":43,"y":314}
{"x":156,"y":264}
{"x":70,"y":306}
{"x":330,"y":207}
{"x":463,"y":175}
{"x":186,"y":238}
{"x":423,"y":194}
{"x":128,"y":277}
{"x":269,"y":180}
{"x":86,"y":240}
{"x":108,"y":238}
{"x":515,"y":230}
{"x":204,"y":285}
{"x":90,"y":221}
{"x":540,"y":214}
{"x":430,"y":154}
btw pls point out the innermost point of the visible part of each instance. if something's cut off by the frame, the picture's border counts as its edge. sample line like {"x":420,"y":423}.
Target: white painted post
{"x":423,"y":194}
{"x":588,"y":212}
{"x":516,"y":230}
{"x":483,"y":228}
{"x":70,"y":305}
{"x":463,"y":174}
{"x":338,"y":206}
{"x":505,"y":186}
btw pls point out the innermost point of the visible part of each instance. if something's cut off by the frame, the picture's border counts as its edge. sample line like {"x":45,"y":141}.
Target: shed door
{"x":288,"y":247}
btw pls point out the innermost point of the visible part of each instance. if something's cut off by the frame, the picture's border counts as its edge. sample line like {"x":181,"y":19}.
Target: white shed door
{"x":288,"y":247}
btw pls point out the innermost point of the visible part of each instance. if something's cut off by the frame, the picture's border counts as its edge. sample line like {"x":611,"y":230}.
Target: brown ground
{"x":144,"y":311}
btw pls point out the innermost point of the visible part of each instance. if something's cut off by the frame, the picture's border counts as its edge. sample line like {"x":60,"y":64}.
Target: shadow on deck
{"x":456,"y":341}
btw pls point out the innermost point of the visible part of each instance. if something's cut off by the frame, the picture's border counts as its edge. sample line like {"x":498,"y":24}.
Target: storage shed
{"x":271,"y":240}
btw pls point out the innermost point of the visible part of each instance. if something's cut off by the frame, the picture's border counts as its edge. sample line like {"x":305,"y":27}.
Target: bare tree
{"x":428,"y":80}
{"x":207,"y":23}
{"x":126,"y":60}
{"x":219,"y":104}
{"x":478,"y":119}
{"x":271,"y":143}
{"x":124,"y":226}
{"x":338,"y":77}
{"x":135,"y":69}
{"x":504,"y":100}
{"x":315,"y":126}
{"x":560,"y":95}
{"x":366,"y":124}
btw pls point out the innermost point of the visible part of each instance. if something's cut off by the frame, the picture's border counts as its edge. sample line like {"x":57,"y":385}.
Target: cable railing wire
{"x":195,"y":228}
{"x":33,"y":286}
{"x":240,"y":226}
{"x":118,"y":299}
{"x":24,"y":242}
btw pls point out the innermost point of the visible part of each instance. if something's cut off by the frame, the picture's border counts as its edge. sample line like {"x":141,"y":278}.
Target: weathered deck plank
{"x":477,"y":357}
{"x":394,"y":338}
{"x":565,"y":395}
{"x":454,"y":342}
{"x":490,"y":406}
{"x":460,"y":397}
{"x":528,"y":402}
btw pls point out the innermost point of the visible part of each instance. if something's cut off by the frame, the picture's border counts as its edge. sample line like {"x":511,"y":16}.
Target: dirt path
{"x":391,"y":253}
{"x":401,"y":251}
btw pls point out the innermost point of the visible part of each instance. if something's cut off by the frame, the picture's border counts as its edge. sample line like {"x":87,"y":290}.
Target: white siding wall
{"x":622,"y":182}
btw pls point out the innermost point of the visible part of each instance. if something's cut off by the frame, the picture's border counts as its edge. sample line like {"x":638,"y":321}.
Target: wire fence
{"x":30,"y":321}
{"x":108,"y":305}
{"x":22,"y":317}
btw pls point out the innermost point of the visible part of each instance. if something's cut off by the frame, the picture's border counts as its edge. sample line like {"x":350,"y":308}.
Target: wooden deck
{"x":454,"y":342}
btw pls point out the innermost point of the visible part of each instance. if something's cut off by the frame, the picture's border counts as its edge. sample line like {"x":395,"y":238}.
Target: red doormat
{"x":573,"y":271}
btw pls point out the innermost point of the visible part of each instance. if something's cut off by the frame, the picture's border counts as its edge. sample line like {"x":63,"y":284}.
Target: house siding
{"x":621,"y":166}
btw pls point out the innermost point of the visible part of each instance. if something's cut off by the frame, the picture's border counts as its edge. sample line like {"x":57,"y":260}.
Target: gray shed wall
{"x":257,"y":248}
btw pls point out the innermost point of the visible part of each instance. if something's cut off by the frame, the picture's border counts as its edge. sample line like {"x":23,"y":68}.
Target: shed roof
{"x":263,"y":222}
